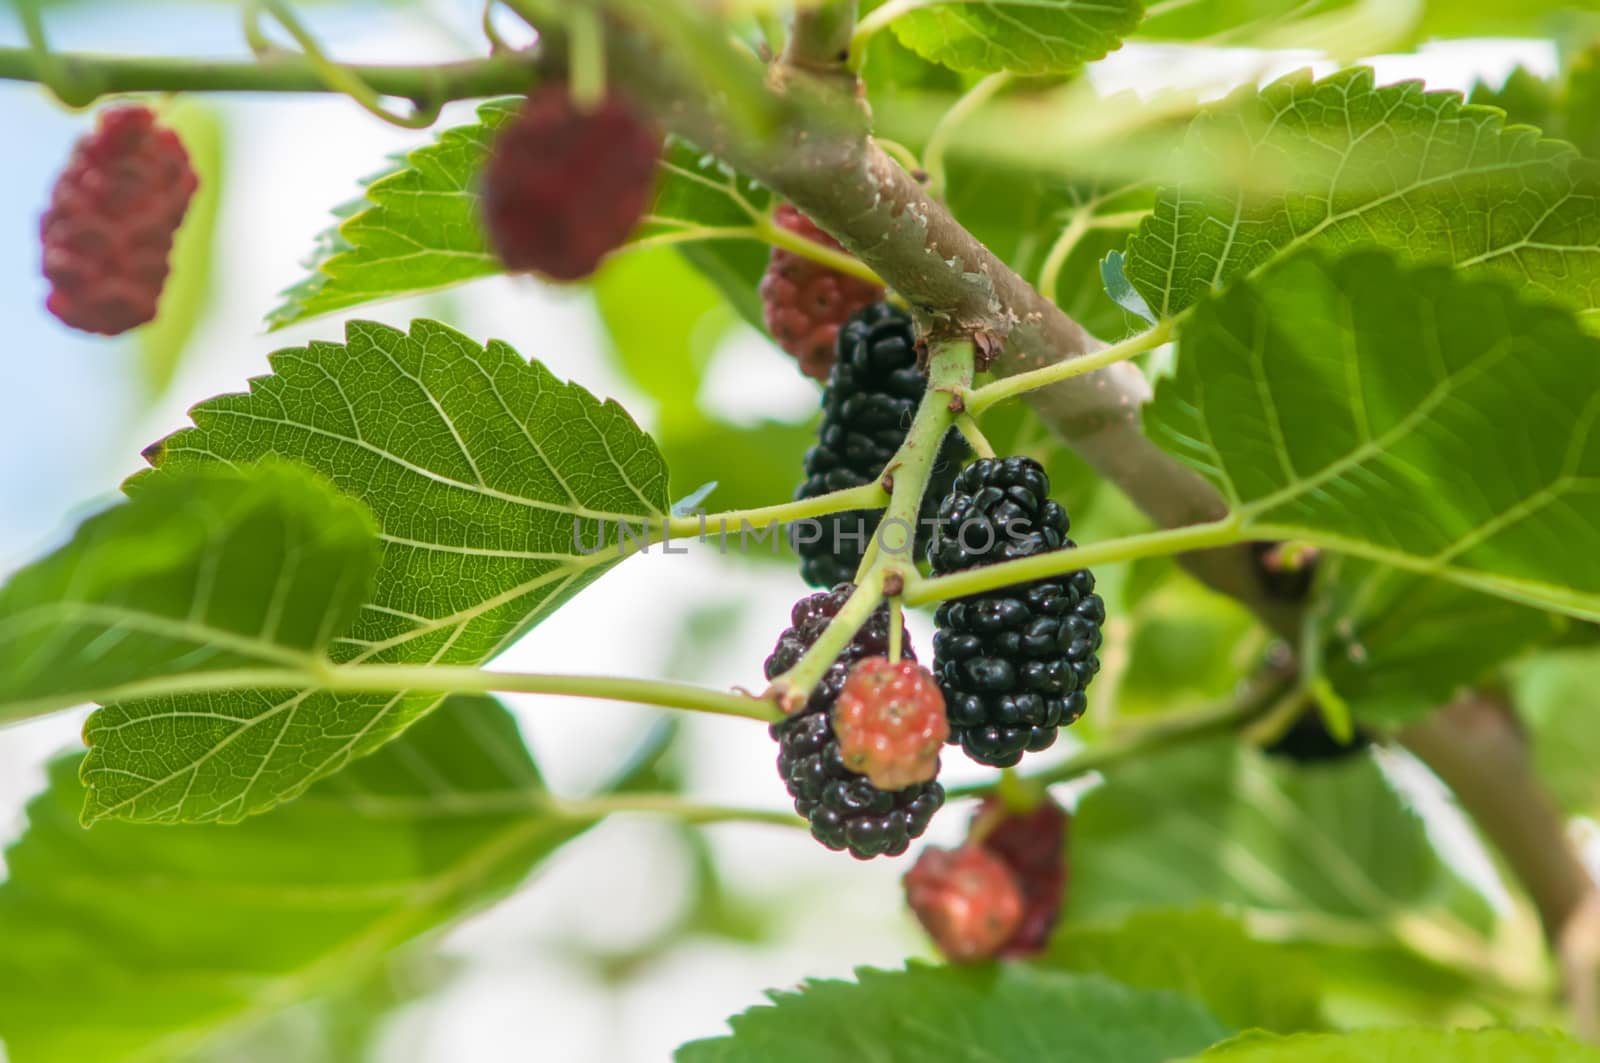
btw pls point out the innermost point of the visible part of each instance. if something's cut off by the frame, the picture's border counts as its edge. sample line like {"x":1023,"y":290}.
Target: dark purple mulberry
{"x":845,"y":810}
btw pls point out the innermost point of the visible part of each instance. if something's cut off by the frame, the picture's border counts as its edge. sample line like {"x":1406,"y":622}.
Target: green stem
{"x":875,"y":21}
{"x":586,"y":44}
{"x":794,"y":686}
{"x":974,"y":436}
{"x":867,"y":496}
{"x":497,"y":43}
{"x":950,"y":123}
{"x":1042,"y":566}
{"x":393,"y":678}
{"x":1134,"y":741}
{"x":588,"y":808}
{"x":342,"y":78}
{"x":454,"y":679}
{"x":897,"y":629}
{"x":1061,"y":250}
{"x":692,"y":234}
{"x":949,"y":373}
{"x":1125,"y":219}
{"x":85,"y":78}
{"x":899,"y":153}
{"x":777,"y":236}
{"x":1009,"y":387}
{"x":772,"y":30}
{"x":52,"y":72}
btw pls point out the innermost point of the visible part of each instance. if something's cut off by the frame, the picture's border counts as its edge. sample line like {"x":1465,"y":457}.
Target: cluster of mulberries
{"x":113,"y":214}
{"x":846,"y":810}
{"x":1013,"y":663}
{"x":871,"y":398}
{"x":805,"y":302}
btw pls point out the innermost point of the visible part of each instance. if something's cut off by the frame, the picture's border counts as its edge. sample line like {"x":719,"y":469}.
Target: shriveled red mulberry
{"x":564,"y":186}
{"x":108,"y":232}
{"x":967,"y":900}
{"x":1033,"y":845}
{"x":805,"y":302}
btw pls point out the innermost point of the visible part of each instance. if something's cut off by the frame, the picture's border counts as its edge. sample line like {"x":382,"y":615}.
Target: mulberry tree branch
{"x":819,"y":39}
{"x":1477,"y":748}
{"x":81,"y":79}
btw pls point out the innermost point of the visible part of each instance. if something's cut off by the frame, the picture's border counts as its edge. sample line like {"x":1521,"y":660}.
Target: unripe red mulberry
{"x":805,"y":302}
{"x":966,"y":899}
{"x":890,"y":723}
{"x":564,"y":187}
{"x":108,"y":232}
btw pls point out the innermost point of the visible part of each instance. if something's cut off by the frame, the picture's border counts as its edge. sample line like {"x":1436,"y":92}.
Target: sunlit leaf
{"x":494,"y":486}
{"x":1408,"y":415}
{"x":1341,"y":162}
{"x":1033,"y":37}
{"x":207,"y":571}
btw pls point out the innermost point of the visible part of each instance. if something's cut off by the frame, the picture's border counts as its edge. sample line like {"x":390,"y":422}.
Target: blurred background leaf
{"x":187,"y":294}
{"x":1200,"y":953}
{"x":133,"y":940}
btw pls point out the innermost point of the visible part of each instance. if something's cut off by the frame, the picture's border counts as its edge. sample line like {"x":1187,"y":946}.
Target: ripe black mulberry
{"x":871,"y":398}
{"x":1013,"y":663}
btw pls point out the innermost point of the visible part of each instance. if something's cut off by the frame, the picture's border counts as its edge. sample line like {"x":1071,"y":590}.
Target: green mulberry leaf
{"x":1408,"y":1046}
{"x":205,"y":572}
{"x":1397,"y":645}
{"x":1029,"y":37}
{"x":1203,"y":954}
{"x":1340,"y":162}
{"x":417,"y":228}
{"x":1011,"y":1011}
{"x":493,"y":485}
{"x":1308,"y":852}
{"x":1408,"y":415}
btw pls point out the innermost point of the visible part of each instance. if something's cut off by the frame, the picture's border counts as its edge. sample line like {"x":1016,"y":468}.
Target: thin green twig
{"x":344,"y":79}
{"x":921,"y":591}
{"x":1008,"y":387}
{"x":1134,"y":741}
